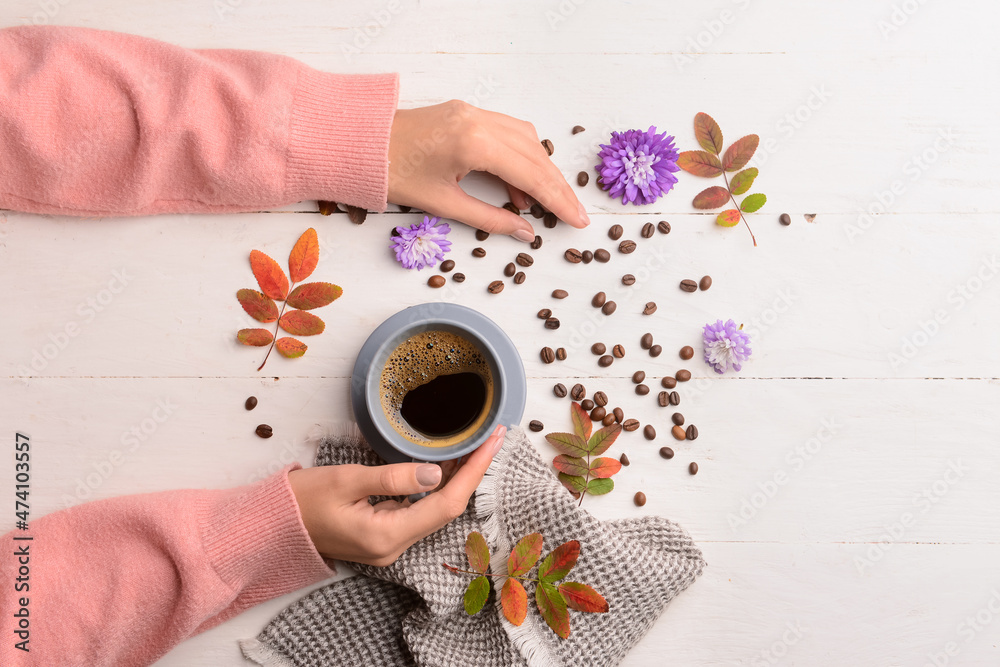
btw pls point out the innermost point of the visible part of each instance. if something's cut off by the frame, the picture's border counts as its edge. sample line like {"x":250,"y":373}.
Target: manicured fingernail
{"x":524,"y":235}
{"x":583,"y":215}
{"x":500,"y":432}
{"x":429,"y":475}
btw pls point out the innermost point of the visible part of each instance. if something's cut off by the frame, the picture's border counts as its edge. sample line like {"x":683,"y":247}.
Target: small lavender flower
{"x":726,"y":346}
{"x":423,"y":244}
{"x":638,"y":165}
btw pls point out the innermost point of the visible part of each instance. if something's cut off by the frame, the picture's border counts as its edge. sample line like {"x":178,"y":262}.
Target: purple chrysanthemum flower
{"x":726,"y":346}
{"x":638,"y":165}
{"x":423,"y":244}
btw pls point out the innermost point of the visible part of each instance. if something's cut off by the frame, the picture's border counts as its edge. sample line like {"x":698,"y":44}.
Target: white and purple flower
{"x":638,"y":166}
{"x":727,"y":346}
{"x":423,"y":244}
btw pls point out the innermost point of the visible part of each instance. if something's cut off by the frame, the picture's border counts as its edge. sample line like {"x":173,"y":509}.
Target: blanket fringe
{"x":263,"y":654}
{"x":346,"y":429}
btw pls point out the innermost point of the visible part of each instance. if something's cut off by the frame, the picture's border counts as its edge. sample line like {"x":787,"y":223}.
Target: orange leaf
{"x":708,"y":133}
{"x":514,"y":600}
{"x":304,"y":257}
{"x":552,"y":607}
{"x":571,"y":465}
{"x":524,"y":555}
{"x":258,"y":306}
{"x":478,"y":553}
{"x":301,"y":323}
{"x":728,"y":218}
{"x":254,"y":337}
{"x":582,"y":425}
{"x":291,"y":348}
{"x":712,"y":197}
{"x":272,"y":280}
{"x":699,"y":163}
{"x":604,"y":467}
{"x":740,"y":152}
{"x":558,"y":563}
{"x":314,"y":295}
{"x":582,"y":597}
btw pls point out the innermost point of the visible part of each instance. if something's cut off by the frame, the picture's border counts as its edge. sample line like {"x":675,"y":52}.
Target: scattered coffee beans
{"x":598,"y":348}
{"x":623,"y":459}
{"x":626,"y":247}
{"x":537,"y":243}
{"x":646,"y":341}
{"x":628,"y":279}
{"x":559,"y":389}
{"x":535,"y":425}
{"x":663,"y":399}
{"x":618,"y":351}
{"x":678,"y":433}
{"x":573,"y":256}
{"x":640,"y":498}
{"x":693,"y":468}
{"x":641,"y":389}
{"x":630,"y":424}
{"x":608,"y":420}
{"x":655,"y":351}
{"x":510,"y":269}
{"x":601,"y":398}
{"x":447,"y":265}
{"x":250,"y":403}
{"x":458,"y":277}
{"x":479,"y":252}
{"x":582,"y":178}
{"x":559,"y":294}
{"x":649,"y":432}
{"x":602,"y":255}
{"x":519,"y":278}
{"x":544,"y":314}
{"x":548,"y":355}
{"x":648,"y":230}
{"x":495,"y":287}
{"x":436,"y":281}
{"x":785,"y":219}
{"x":691,"y":432}
{"x":666,"y":452}
{"x":609,"y":307}
{"x":598,"y":414}
{"x":677,"y":418}
{"x":605,"y":361}
{"x":577,"y":129}
{"x":705,"y":283}
{"x":638,"y":376}
{"x":619,"y":415}
{"x":599,"y":299}
{"x":561,"y":353}
{"x":663,"y":227}
{"x":264,"y":431}
{"x":689,"y":285}
{"x":482,"y":235}
{"x":683,"y":375}
{"x":549,"y":219}
{"x":615,"y":232}
{"x":668,"y":382}
{"x":552,"y":323}
{"x":587,"y":404}
{"x":548,"y":146}
{"x":687,"y":352}
{"x":524,"y":259}
{"x":578,"y":392}
{"x":587,"y":256}
{"x":513,"y":209}
{"x":674,"y":398}
{"x":649,"y":308}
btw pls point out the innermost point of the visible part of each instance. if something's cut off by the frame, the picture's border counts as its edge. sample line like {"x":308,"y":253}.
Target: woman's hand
{"x":333,"y":503}
{"x":432,"y":148}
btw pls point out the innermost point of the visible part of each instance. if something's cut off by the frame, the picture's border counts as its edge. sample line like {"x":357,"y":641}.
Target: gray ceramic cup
{"x":510,"y":386}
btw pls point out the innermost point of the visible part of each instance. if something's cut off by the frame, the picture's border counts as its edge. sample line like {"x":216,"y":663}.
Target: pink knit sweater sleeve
{"x":101,"y":123}
{"x":119,"y":582}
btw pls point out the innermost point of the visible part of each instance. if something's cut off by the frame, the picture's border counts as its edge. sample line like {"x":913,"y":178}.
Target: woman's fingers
{"x":397,"y":479}
{"x":458,"y":205}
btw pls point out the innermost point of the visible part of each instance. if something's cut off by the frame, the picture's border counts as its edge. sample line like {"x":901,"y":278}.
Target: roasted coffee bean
{"x":577,"y":129}
{"x":482,"y":235}
{"x":548,"y":355}
{"x":598,"y":414}
{"x":626,"y":247}
{"x":677,"y":418}
{"x":705,"y":283}
{"x":630,"y":424}
{"x":619,"y":415}
{"x":628,"y":279}
{"x":404,"y":209}
{"x":547,"y":145}
{"x":649,"y":432}
{"x":510,"y":269}
{"x":552,"y":323}
{"x":649,"y":308}
{"x":447,"y":265}
{"x":559,"y":389}
{"x":785,"y":219}
{"x":587,"y":404}
{"x":615,"y":232}
{"x":599,"y":299}
{"x":513,"y":209}
{"x":578,"y":392}
{"x":662,"y":399}
{"x":559,"y":294}
{"x":668,"y":382}
{"x":495,"y":287}
{"x":458,"y":277}
{"x":601,"y":398}
{"x":479,"y":252}
{"x":608,"y":420}
{"x":573,"y":256}
{"x":809,"y":216}
{"x":646,"y":341}
{"x":618,"y":350}
{"x":582,"y":178}
{"x":691,"y":432}
{"x":623,"y":459}
{"x":602,"y":255}
{"x":683,"y":375}
{"x":674,"y":398}
{"x":524,"y":259}
{"x":264,"y":431}
{"x":638,"y":376}
{"x":561,"y":353}
{"x":598,"y":348}
{"x":536,"y":425}
{"x":666,"y":452}
{"x":549,"y":219}
{"x":519,"y":278}
{"x":544,"y":314}
{"x":436,"y":281}
{"x":640,"y":498}
{"x":641,"y":389}
{"x":689,"y":285}
{"x":678,"y":433}
{"x":687,"y":352}
{"x":648,"y":230}
{"x":663,"y":227}
{"x":693,"y":468}
{"x":328,"y":208}
{"x":655,"y":351}
{"x":250,"y":403}
{"x":609,"y":307}
{"x":587,"y":256}
{"x":605,"y":361}
{"x":536,"y":211}
{"x":537,"y":243}
{"x":394,"y":232}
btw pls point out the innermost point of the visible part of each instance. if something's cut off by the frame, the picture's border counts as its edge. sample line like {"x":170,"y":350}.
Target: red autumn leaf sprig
{"x":577,"y":471}
{"x":553,"y":599}
{"x":707,"y":163}
{"x":274,"y":286}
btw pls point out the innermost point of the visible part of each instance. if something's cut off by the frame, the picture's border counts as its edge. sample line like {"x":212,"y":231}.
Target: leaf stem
{"x":730,"y":191}
{"x":275,"y":338}
{"x":586,"y":481}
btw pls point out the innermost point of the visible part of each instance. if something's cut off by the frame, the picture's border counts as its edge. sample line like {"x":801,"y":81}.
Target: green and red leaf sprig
{"x":577,"y":471}
{"x":274,"y":286}
{"x":708,"y":163}
{"x":553,"y":596}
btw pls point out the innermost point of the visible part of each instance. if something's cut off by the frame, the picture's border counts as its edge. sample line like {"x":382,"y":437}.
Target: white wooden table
{"x":847,"y":499}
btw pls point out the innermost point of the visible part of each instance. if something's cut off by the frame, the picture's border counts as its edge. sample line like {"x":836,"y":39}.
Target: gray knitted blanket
{"x":410,"y":613}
